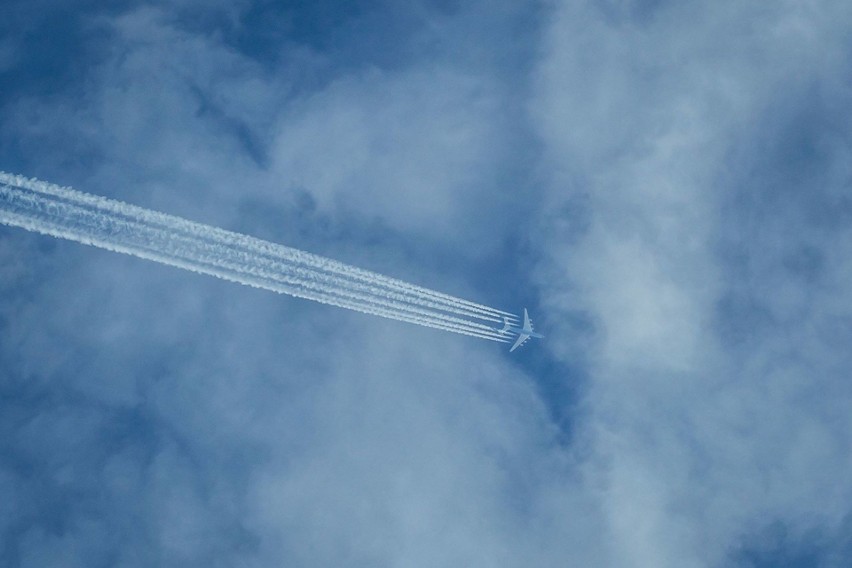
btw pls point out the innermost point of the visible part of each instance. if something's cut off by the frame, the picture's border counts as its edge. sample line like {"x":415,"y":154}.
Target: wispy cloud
{"x":683,"y":169}
{"x":668,"y":180}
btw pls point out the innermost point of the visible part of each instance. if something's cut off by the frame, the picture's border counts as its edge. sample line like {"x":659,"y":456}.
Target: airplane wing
{"x":527,"y":321}
{"x":522,"y":338}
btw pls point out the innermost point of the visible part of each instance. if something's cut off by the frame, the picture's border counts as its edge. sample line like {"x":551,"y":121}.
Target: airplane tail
{"x":506,"y":325}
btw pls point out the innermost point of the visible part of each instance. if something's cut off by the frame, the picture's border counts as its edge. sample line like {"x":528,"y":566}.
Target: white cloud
{"x":216,"y":423}
{"x":697,"y":440}
{"x":226,"y":424}
{"x":408,"y":148}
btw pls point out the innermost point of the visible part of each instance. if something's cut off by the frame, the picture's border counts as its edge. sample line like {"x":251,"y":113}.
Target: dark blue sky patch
{"x":56,"y":44}
{"x":790,"y":201}
{"x":560,"y":386}
{"x":779,"y":547}
{"x":364,"y":32}
{"x":742,"y":320}
{"x":268,"y":27}
{"x":786,"y":166}
{"x":248,"y":139}
{"x":374,"y":33}
{"x":631,"y":11}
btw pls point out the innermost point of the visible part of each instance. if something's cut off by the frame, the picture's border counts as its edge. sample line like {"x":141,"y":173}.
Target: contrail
{"x":113,"y":225}
{"x":73,"y":201}
{"x":183,"y":242}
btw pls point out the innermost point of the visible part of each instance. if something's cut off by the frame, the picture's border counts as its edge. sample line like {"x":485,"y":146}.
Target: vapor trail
{"x":113,"y":225}
{"x":152,"y":240}
{"x":174,"y":225}
{"x":352,"y":277}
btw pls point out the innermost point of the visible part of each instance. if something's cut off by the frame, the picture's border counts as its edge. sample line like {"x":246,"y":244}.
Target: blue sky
{"x":666,"y":185}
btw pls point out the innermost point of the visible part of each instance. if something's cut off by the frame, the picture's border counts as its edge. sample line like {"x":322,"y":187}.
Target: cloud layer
{"x":697,"y":192}
{"x":669,"y":182}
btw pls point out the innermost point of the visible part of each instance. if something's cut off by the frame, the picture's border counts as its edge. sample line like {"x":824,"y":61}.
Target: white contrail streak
{"x":155,"y":243}
{"x":117,"y":226}
{"x":173,"y":225}
{"x":259,"y":247}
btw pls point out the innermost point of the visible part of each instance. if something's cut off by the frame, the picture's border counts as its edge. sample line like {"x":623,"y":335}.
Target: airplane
{"x":524,"y":333}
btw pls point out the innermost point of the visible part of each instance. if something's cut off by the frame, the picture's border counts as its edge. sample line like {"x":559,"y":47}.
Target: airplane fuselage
{"x":519,"y":330}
